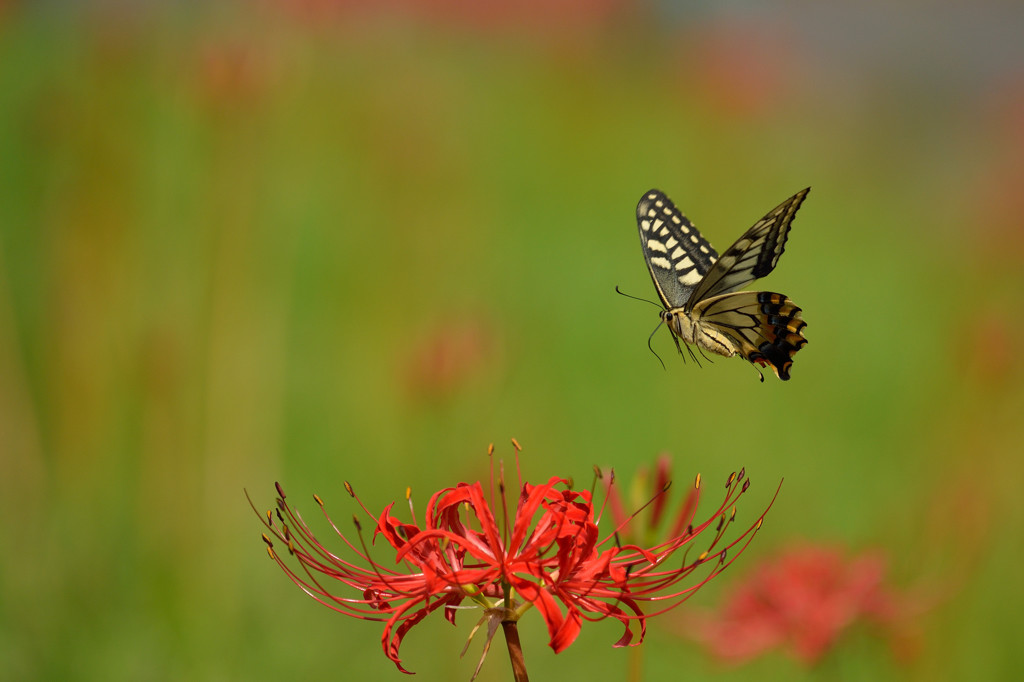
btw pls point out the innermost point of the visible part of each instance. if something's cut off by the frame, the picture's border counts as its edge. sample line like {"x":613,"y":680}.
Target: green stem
{"x":515,"y":651}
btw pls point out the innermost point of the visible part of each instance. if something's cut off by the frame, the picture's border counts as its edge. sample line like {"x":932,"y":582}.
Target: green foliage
{"x":245,"y":246}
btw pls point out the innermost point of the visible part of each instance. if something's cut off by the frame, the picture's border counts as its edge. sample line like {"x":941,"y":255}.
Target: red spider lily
{"x":803,"y":600}
{"x":551,"y":557}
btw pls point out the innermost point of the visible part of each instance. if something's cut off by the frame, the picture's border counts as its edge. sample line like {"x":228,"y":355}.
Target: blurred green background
{"x":314,"y":242}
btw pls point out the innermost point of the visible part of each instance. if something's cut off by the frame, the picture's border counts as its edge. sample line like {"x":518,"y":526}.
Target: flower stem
{"x":515,"y":651}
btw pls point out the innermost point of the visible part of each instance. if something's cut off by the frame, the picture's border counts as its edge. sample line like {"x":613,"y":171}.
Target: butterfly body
{"x":698,"y":287}
{"x":689,"y":329}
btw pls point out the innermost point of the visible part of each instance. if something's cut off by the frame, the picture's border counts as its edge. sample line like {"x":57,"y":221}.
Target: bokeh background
{"x":316,"y":241}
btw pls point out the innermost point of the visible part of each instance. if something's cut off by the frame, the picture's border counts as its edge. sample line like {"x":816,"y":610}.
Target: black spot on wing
{"x":783,"y":335}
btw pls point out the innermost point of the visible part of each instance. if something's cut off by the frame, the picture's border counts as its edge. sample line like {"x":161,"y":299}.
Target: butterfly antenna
{"x":636,"y":298}
{"x":652,"y":336}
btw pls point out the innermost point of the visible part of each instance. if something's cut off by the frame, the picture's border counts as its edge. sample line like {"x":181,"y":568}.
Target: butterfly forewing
{"x":677,"y":255}
{"x":753,"y":256}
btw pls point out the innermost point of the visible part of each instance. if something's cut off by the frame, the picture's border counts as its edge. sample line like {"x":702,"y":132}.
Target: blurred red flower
{"x":534,"y":15}
{"x":447,"y":358}
{"x":740,"y":69}
{"x":232,"y":75}
{"x":549,"y":555}
{"x":803,"y":600}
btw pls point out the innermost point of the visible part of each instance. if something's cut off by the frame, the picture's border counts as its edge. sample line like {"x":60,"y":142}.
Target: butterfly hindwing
{"x":677,"y":255}
{"x":753,"y":256}
{"x":766,"y":328}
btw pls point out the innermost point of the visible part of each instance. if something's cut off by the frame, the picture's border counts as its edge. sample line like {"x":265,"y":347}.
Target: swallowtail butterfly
{"x":698,"y":287}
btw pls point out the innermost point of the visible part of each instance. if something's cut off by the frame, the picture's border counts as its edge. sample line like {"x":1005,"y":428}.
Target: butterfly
{"x":698,"y":287}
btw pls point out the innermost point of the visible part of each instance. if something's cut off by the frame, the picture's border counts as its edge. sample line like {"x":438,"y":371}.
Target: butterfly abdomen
{"x":690,"y":330}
